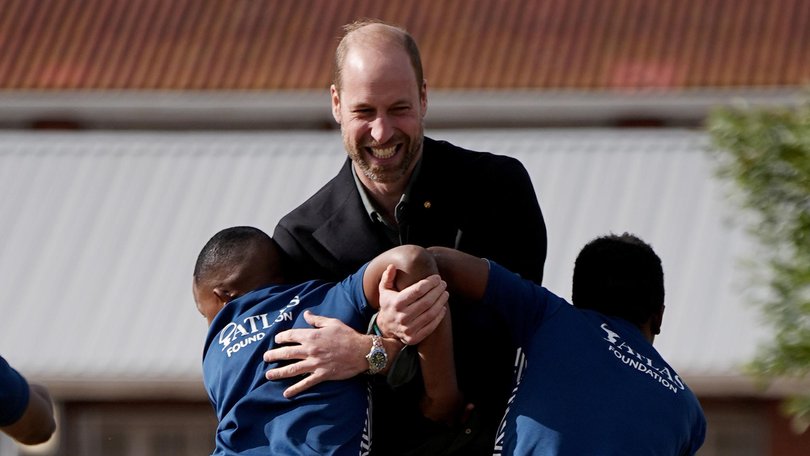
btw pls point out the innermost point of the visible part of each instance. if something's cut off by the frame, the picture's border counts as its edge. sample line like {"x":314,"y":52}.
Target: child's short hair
{"x":619,"y":276}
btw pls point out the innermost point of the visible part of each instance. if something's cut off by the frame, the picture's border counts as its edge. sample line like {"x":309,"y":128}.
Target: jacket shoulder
{"x":322,"y":203}
{"x":452,"y":160}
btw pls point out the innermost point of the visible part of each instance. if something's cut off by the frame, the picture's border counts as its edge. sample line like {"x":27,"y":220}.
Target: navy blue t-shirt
{"x":13,"y":394}
{"x":330,"y":418}
{"x":590,"y":384}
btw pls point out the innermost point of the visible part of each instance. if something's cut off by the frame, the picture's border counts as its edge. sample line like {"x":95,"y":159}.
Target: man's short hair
{"x":393,"y":31}
{"x":619,"y":276}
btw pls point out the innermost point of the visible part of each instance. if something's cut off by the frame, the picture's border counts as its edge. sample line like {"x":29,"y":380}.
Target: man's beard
{"x":381,"y":174}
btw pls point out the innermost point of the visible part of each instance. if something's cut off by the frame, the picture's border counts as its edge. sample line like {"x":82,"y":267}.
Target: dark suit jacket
{"x":477,"y":202}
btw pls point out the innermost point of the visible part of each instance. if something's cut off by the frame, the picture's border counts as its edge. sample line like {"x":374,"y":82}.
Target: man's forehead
{"x":371,"y":56}
{"x":367,"y":72}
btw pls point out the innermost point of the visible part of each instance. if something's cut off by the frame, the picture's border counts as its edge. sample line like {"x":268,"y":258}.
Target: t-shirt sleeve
{"x":353,"y":286}
{"x":13,"y":394}
{"x":698,"y":432}
{"x":523,"y":304}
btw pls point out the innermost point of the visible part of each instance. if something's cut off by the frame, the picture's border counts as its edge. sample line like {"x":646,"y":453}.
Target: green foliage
{"x":766,"y":153}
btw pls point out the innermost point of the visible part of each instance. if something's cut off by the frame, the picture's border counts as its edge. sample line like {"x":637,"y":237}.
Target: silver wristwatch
{"x":377,"y":357}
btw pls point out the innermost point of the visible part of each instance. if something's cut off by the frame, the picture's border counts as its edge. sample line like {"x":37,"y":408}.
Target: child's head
{"x":233,"y":262}
{"x":620,"y":276}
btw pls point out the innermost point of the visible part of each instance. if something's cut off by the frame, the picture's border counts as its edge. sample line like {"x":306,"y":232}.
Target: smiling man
{"x":380,"y":108}
{"x":399,"y":187}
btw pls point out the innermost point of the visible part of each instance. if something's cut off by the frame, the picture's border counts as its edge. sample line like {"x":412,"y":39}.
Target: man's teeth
{"x":383,"y":153}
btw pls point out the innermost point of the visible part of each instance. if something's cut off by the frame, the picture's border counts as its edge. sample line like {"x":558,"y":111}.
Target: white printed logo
{"x":235,"y":336}
{"x":612,"y":337}
{"x":641,"y":363}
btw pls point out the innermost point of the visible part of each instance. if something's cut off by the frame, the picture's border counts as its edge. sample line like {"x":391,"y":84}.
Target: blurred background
{"x":132,"y":130}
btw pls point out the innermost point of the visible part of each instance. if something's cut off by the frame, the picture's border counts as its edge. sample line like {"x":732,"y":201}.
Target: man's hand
{"x":412,"y":314}
{"x":331,"y":350}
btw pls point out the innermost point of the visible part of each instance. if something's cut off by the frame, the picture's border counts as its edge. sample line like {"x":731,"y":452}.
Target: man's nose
{"x":381,"y":129}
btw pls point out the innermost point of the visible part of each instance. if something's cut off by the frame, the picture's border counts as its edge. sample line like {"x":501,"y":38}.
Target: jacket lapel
{"x":347,"y":232}
{"x":433,"y":212}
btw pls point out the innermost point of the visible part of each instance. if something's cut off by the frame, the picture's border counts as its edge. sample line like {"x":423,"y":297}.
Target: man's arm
{"x":523,"y":245}
{"x":37,"y":424}
{"x":333,"y":350}
{"x":520,"y":247}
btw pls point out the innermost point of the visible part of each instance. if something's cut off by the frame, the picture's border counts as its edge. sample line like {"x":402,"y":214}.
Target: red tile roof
{"x":270,"y":45}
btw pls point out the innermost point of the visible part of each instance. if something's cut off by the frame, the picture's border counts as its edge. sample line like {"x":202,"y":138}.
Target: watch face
{"x":377,"y":359}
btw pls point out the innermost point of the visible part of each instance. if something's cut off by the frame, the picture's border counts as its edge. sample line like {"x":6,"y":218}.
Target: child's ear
{"x":657,"y":320}
{"x":224,"y":294}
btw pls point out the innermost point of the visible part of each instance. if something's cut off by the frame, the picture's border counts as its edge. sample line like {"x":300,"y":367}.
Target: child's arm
{"x":409,"y":267}
{"x":37,"y":423}
{"x":406,"y":317}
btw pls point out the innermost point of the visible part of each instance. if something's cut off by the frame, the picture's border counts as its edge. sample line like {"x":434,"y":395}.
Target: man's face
{"x":380,"y":109}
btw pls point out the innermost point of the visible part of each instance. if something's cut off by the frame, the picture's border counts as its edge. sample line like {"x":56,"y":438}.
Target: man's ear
{"x":335,"y":103}
{"x":423,"y":98}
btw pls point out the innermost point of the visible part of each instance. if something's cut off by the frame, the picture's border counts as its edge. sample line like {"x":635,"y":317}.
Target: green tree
{"x":765,"y":152}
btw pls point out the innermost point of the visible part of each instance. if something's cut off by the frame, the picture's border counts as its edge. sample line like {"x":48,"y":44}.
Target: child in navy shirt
{"x":239,"y":288}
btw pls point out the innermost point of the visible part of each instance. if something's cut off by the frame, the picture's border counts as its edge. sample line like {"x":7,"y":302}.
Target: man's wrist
{"x":380,"y":325}
{"x":391,"y":346}
{"x":377,"y":357}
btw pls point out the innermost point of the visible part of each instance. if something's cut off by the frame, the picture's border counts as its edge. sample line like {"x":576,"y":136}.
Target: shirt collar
{"x":368,"y":204}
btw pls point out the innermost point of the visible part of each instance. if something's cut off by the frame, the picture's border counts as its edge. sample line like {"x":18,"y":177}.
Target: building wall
{"x":737,"y":426}
{"x":750,"y":426}
{"x":144,"y":428}
{"x":106,"y":226}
